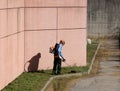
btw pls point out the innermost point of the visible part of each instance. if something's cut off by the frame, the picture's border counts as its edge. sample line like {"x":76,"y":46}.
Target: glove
{"x":64,"y":60}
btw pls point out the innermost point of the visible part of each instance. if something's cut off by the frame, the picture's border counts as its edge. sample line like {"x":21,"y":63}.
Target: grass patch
{"x":34,"y":81}
{"x":74,"y":69}
{"x":28,"y":82}
{"x":91,"y":51}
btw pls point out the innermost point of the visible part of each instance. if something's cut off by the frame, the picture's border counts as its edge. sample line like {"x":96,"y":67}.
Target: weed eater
{"x":72,"y":71}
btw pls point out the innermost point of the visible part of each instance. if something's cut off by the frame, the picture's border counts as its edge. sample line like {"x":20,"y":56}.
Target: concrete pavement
{"x":108,"y":77}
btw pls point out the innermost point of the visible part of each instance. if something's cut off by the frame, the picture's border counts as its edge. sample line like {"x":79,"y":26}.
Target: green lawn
{"x":90,"y":51}
{"x":34,"y":81}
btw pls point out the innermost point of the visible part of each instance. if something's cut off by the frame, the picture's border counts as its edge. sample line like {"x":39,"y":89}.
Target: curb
{"x":93,"y":59}
{"x":74,"y":74}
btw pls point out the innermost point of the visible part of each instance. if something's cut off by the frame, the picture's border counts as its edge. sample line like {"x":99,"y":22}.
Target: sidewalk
{"x":108,"y":77}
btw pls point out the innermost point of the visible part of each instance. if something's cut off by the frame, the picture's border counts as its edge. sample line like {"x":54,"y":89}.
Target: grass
{"x":34,"y":81}
{"x":91,"y":51}
{"x":28,"y":82}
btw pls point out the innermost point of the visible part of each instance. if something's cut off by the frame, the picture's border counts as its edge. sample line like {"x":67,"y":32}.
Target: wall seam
{"x":24,"y":37}
{"x":18,"y":36}
{"x":45,"y":7}
{"x":11,"y":34}
{"x":54,"y":29}
{"x":56,"y":25}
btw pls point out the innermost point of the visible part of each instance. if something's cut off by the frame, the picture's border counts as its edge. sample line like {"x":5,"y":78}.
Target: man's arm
{"x":60,"y":52}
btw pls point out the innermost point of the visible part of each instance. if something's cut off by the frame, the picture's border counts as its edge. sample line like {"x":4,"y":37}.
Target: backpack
{"x":56,"y":49}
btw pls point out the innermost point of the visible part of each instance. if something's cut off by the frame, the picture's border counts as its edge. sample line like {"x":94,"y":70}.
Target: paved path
{"x":108,"y":77}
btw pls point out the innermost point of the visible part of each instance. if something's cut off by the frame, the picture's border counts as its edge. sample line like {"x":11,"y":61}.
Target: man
{"x":58,"y":57}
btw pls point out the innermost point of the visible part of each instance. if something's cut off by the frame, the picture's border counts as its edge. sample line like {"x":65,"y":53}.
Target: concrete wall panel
{"x":20,"y":43}
{"x":3,"y":59}
{"x":72,"y":18}
{"x":25,"y":32}
{"x":21,"y":19}
{"x":11,"y":58}
{"x":15,"y":3}
{"x":39,"y":42}
{"x":74,"y":49}
{"x":3,"y":23}
{"x":12,"y":21}
{"x":12,"y":62}
{"x":40,"y":18}
{"x":3,"y":4}
{"x":54,"y":3}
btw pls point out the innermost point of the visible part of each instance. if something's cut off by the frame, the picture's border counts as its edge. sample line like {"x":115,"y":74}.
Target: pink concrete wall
{"x":53,"y":20}
{"x":15,"y":3}
{"x":55,"y":3}
{"x":11,"y":40}
{"x":71,"y":18}
{"x":40,"y":18}
{"x":3,"y":58}
{"x":39,"y":42}
{"x":25,"y":32}
{"x":3,"y":4}
{"x":75,"y":47}
{"x":3,"y":23}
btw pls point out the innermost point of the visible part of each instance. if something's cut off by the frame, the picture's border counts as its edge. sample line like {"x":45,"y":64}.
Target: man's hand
{"x":64,"y":60}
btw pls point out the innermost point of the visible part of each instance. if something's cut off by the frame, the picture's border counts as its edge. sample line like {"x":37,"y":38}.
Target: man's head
{"x":62,"y":41}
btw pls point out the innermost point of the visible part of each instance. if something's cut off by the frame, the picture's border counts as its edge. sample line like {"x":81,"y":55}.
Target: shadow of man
{"x":33,"y":63}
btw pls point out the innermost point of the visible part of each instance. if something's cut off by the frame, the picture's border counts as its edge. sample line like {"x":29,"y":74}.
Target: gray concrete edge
{"x":93,"y":59}
{"x":74,"y":74}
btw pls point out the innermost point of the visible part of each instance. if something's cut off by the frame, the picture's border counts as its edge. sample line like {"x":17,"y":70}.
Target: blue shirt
{"x":60,"y":51}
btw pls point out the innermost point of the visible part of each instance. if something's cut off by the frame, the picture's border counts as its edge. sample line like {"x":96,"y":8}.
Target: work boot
{"x":54,"y":73}
{"x":58,"y":73}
